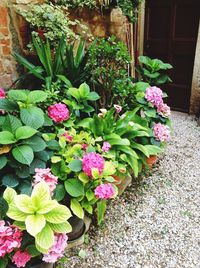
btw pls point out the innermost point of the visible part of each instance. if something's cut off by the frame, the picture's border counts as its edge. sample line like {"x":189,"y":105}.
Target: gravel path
{"x":156,"y":223}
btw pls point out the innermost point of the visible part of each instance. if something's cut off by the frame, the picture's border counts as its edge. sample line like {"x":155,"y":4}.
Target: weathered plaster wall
{"x":195,"y":94}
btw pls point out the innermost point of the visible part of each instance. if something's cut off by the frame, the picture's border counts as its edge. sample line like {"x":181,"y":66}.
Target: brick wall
{"x":7,"y":64}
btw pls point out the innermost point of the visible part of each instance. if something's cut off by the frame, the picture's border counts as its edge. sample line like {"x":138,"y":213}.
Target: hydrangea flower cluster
{"x":57,"y":250}
{"x":42,"y":174}
{"x":20,"y":258}
{"x":10,"y":238}
{"x":58,"y":112}
{"x":155,"y":96}
{"x":2,"y":93}
{"x":92,"y":161}
{"x":104,"y":191}
{"x":106,"y":146}
{"x":161,"y":132}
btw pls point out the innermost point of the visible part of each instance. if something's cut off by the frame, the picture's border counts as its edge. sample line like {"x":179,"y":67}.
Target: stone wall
{"x":195,"y":94}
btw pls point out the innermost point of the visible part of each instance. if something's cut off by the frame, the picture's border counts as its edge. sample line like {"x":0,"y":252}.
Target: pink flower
{"x":93,"y":161}
{"x":161,"y":132}
{"x":20,"y":258}
{"x":2,"y":93}
{"x":68,"y":137}
{"x":104,"y":191}
{"x":57,"y":250}
{"x":118,"y":108}
{"x":10,"y":238}
{"x":84,"y":146}
{"x":42,"y":174}
{"x":106,"y":146}
{"x":154,"y":95}
{"x":58,"y":112}
{"x":164,"y":110}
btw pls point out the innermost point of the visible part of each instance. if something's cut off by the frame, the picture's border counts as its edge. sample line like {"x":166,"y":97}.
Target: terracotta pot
{"x":122,"y":183}
{"x":40,"y":265}
{"x":151,"y":160}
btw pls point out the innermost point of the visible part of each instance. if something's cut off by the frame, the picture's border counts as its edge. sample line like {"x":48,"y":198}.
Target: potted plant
{"x":33,"y":228}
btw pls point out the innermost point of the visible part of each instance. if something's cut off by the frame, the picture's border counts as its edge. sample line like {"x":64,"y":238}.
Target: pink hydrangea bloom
{"x":42,"y":174}
{"x":164,"y":110}
{"x":2,"y":93}
{"x":10,"y":238}
{"x":93,"y":161}
{"x":58,"y":112}
{"x":68,"y":137}
{"x":118,"y":108}
{"x":57,"y":250}
{"x":106,"y":146}
{"x":20,"y":258}
{"x":154,"y":95}
{"x":104,"y":191}
{"x":161,"y":132}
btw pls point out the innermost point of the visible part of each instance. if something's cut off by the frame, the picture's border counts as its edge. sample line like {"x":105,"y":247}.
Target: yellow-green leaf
{"x":76,"y":208}
{"x":34,"y":224}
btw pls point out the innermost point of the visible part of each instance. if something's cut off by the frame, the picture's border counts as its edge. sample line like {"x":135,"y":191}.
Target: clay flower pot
{"x":122,"y":183}
{"x":40,"y":265}
{"x":151,"y":160}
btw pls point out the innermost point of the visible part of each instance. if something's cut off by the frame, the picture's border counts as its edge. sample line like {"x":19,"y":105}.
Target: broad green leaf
{"x":18,"y":95}
{"x":101,"y":209}
{"x":84,"y":91}
{"x":93,"y":96}
{"x":3,"y":161}
{"x":21,"y":225}
{"x":36,"y":96}
{"x":59,"y":192}
{"x":83,"y":177}
{"x":40,"y":195}
{"x":10,"y":180}
{"x":8,"y":105}
{"x":23,"y":154}
{"x":74,"y":187}
{"x":76,"y":208}
{"x":11,"y":123}
{"x":109,"y":169}
{"x":48,"y":206}
{"x":3,"y":208}
{"x":32,"y":250}
{"x":36,"y":143}
{"x":153,"y":150}
{"x":23,"y":203}
{"x":59,"y":214}
{"x":75,"y":165}
{"x":7,"y":137}
{"x":35,"y":224}
{"x":61,"y":227}
{"x":9,"y":195}
{"x":4,"y":262}
{"x":90,"y":195}
{"x":16,"y":214}
{"x":32,"y":116}
{"x":45,"y":239}
{"x":25,"y":132}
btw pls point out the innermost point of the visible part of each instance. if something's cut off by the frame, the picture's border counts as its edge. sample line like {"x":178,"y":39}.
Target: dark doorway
{"x":171,"y":28}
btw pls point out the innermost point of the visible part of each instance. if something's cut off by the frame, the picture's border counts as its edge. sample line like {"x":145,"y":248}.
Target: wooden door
{"x":171,"y":28}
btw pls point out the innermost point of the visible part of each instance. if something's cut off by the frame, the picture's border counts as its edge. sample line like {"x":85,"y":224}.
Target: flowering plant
{"x":35,"y":228}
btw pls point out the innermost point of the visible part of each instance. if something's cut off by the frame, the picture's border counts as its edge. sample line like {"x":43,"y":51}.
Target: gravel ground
{"x":155,"y":224}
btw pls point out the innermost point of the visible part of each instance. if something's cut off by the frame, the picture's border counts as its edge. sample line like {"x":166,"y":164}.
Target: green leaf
{"x":10,"y":180}
{"x":11,"y":123}
{"x":127,"y":150}
{"x":74,"y":187}
{"x":32,"y":250}
{"x":8,"y":105}
{"x":109,"y":169}
{"x":150,"y":113}
{"x":119,"y":142}
{"x":59,"y":192}
{"x":9,"y":195}
{"x":23,"y":154}
{"x":32,"y":116}
{"x":3,"y":161}
{"x":36,"y":143}
{"x":75,"y":165}
{"x":101,"y":209}
{"x":83,"y":177}
{"x":93,"y":96}
{"x":35,"y":224}
{"x":84,"y":91}
{"x":59,"y":214}
{"x":3,"y":208}
{"x":21,"y":225}
{"x":153,"y":150}
{"x":40,"y":249}
{"x":61,"y":227}
{"x":16,"y":214}
{"x":140,"y":147}
{"x":18,"y":95}
{"x":40,"y":195}
{"x":23,"y":203}
{"x":90,"y":195}
{"x":45,"y":239}
{"x":47,"y":207}
{"x":7,"y":137}
{"x":76,"y":208}
{"x":36,"y":96}
{"x":25,"y":132}
{"x":4,"y":262}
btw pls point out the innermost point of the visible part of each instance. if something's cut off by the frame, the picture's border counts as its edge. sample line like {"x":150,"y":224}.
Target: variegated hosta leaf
{"x":40,"y":195}
{"x":45,"y":239}
{"x":59,"y":214}
{"x":16,"y":214}
{"x":35,"y":224}
{"x":24,"y":203}
{"x":9,"y":195}
{"x":61,"y":227}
